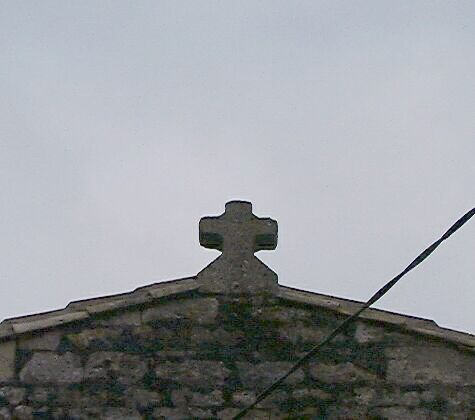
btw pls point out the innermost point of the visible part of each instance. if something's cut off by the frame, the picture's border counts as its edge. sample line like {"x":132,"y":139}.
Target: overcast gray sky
{"x":352,"y":123}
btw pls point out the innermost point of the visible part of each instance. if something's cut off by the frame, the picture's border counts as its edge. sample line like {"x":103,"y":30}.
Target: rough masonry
{"x":203,"y":347}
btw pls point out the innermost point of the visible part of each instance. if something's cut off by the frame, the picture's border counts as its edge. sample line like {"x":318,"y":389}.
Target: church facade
{"x":204,"y":347}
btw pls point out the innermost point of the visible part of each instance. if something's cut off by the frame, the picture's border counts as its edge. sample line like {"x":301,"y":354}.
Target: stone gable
{"x":193,"y":348}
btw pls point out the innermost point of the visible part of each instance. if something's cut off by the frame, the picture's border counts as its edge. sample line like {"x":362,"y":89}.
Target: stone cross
{"x":238,"y":233}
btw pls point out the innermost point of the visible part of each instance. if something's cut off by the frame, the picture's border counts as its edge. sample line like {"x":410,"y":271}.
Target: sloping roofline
{"x":83,"y":309}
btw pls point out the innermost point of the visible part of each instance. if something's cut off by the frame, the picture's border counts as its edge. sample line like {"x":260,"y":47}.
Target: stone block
{"x":404,"y":413}
{"x":47,"y":367}
{"x":123,"y":319}
{"x":429,"y":365}
{"x":143,"y":399}
{"x":5,"y":413}
{"x":366,"y":333}
{"x":298,"y":333}
{"x":198,"y":310}
{"x":163,"y":289}
{"x":84,"y":413}
{"x":228,"y":413}
{"x":124,"y":368}
{"x":39,"y":395}
{"x":274,"y":401}
{"x":283,"y":314}
{"x":364,"y":395}
{"x":210,"y":399}
{"x":396,"y":396}
{"x":184,"y":397}
{"x":338,"y":411}
{"x":219,"y":337}
{"x":49,"y":321}
{"x":23,"y":412}
{"x":7,"y":360}
{"x":255,"y":414}
{"x":47,"y":340}
{"x":198,"y":374}
{"x":11,"y":394}
{"x":170,"y":413}
{"x":243,"y":398}
{"x":114,"y":413}
{"x":261,"y":375}
{"x":97,"y":338}
{"x":340,"y":373}
{"x":311,"y":393}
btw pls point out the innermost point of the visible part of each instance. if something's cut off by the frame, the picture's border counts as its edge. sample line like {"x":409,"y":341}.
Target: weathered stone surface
{"x":180,"y":397}
{"x":198,"y":310}
{"x":312,"y":413}
{"x":170,"y":413}
{"x":59,"y":413}
{"x":99,"y":338}
{"x":5,"y":414}
{"x":157,"y":338}
{"x":338,"y":411}
{"x":340,"y":373}
{"x":52,"y":368}
{"x":283,"y":314}
{"x":224,"y":276}
{"x":40,"y":323}
{"x":200,"y":374}
{"x":367,"y":333}
{"x":11,"y":394}
{"x":7,"y":360}
{"x":261,"y":375}
{"x":143,"y":399}
{"x":184,"y":397}
{"x":124,"y":368}
{"x":243,"y":398}
{"x":84,"y":413}
{"x":404,"y":413}
{"x":41,"y":412}
{"x":200,"y":413}
{"x":274,"y":401}
{"x":219,"y":337}
{"x":458,"y":399}
{"x":123,"y":319}
{"x":429,"y":364}
{"x":23,"y":412}
{"x":175,"y":354}
{"x":39,"y":395}
{"x":92,"y":395}
{"x":364,"y":395}
{"x":312,"y":393}
{"x":255,"y":414}
{"x":106,"y":413}
{"x":228,"y":413}
{"x":211,"y":399}
{"x":48,"y":340}
{"x":114,"y":413}
{"x":398,"y":397}
{"x":298,"y":333}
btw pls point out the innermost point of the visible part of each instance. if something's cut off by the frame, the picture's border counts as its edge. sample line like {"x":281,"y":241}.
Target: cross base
{"x":251,"y":276}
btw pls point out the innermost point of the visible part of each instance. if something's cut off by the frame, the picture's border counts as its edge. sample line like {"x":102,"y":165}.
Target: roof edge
{"x":348,"y":307}
{"x":83,"y":309}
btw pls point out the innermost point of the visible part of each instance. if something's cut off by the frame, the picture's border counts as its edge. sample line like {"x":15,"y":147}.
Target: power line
{"x":378,"y":295}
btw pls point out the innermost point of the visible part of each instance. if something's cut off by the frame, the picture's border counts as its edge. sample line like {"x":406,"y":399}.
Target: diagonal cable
{"x":378,"y":295}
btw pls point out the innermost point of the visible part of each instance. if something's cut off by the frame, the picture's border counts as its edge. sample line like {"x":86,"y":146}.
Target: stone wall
{"x":203,"y":356}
